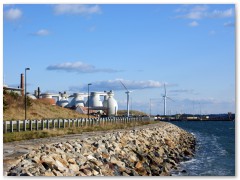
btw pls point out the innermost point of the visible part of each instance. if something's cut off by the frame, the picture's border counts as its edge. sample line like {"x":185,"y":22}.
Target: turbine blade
{"x":165,"y":89}
{"x":170,"y":98}
{"x":124,"y":86}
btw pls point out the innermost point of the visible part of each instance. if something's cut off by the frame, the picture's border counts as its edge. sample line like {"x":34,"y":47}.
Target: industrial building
{"x":79,"y":101}
{"x":100,"y":103}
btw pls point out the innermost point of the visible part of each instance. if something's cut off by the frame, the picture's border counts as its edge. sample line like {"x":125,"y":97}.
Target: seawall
{"x":151,"y":150}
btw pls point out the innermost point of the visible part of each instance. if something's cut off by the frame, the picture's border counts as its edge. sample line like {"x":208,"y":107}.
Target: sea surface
{"x":215,"y":149}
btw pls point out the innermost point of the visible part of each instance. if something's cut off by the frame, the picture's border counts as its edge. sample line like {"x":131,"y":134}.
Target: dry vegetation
{"x":131,"y":112}
{"x":42,"y":109}
{"x":18,"y":136}
{"x":14,"y":109}
{"x":37,"y":109}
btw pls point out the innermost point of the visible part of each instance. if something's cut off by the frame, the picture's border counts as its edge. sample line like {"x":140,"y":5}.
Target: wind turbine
{"x":127,"y":92}
{"x":165,"y":99}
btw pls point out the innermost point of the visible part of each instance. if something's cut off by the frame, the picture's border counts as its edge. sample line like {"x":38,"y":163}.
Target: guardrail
{"x":30,"y":125}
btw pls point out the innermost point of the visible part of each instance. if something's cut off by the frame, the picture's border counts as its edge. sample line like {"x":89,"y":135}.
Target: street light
{"x":26,"y":92}
{"x":88,"y":98}
{"x":150,"y":105}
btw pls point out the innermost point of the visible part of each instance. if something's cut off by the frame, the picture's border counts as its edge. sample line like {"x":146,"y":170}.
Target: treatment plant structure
{"x":107,"y":106}
{"x":79,"y":101}
{"x":98,"y":103}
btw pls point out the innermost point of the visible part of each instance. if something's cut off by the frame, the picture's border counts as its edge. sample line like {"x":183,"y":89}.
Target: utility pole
{"x":26,"y":92}
{"x":88,"y":98}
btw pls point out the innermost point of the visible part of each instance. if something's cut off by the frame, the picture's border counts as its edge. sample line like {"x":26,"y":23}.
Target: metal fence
{"x":30,"y":125}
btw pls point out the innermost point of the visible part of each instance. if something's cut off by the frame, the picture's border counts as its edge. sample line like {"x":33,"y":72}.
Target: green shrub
{"x":29,"y":102}
{"x":5,"y":104}
{"x":14,"y":95}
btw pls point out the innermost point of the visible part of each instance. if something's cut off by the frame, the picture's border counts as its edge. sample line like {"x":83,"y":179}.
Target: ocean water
{"x":215,"y":149}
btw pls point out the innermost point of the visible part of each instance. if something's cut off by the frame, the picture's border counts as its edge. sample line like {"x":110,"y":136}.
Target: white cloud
{"x":79,"y":67}
{"x":41,"y":32}
{"x":221,"y":14}
{"x":200,"y":8}
{"x":189,"y":91}
{"x":201,"y":11}
{"x":194,"y":15}
{"x":77,"y":9}
{"x":182,"y":8}
{"x":116,"y":85}
{"x":13,"y":14}
{"x":193,"y":24}
{"x":229,"y":24}
{"x":196,"y":12}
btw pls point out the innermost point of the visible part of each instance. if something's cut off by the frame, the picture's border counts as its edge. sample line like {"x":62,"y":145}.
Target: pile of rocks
{"x":138,"y":152}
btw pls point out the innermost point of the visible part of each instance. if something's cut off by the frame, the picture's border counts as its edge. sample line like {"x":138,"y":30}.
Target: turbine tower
{"x":165,"y":100}
{"x":127,"y":92}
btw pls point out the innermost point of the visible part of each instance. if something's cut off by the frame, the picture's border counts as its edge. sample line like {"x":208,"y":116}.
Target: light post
{"x":88,"y":98}
{"x":150,"y":105}
{"x":26,"y":92}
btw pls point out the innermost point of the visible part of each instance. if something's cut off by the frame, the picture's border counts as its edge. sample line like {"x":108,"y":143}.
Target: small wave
{"x":193,"y":160}
{"x":214,"y":155}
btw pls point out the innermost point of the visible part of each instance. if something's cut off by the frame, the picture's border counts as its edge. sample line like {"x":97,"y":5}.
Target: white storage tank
{"x":111,"y":104}
{"x":105,"y":101}
{"x":94,"y":100}
{"x":63,"y":100}
{"x":31,"y":96}
{"x":46,"y":95}
{"x":78,"y":100}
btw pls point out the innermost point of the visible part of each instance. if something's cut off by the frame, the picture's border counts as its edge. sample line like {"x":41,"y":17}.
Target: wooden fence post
{"x":53,"y":123}
{"x":42,"y":122}
{"x":18,"y":125}
{"x":36,"y":124}
{"x":63,"y":123}
{"x":5,"y":126}
{"x":91,"y":124}
{"x":30,"y":125}
{"x":24,"y":125}
{"x":69,"y":123}
{"x":11,"y":126}
{"x":88,"y":121}
{"x":81,"y":122}
{"x":72,"y":122}
{"x":59,"y":125}
{"x":47,"y":123}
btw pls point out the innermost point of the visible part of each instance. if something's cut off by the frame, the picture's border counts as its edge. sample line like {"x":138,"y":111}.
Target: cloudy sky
{"x":188,"y":47}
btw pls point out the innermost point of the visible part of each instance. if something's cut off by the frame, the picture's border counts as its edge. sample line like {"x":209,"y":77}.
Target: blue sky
{"x":189,"y":47}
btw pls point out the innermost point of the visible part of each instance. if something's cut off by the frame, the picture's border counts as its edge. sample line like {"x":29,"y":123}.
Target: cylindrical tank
{"x":62,"y":102}
{"x":111,"y":104}
{"x":31,"y":96}
{"x":105,"y":101}
{"x":94,"y":100}
{"x":46,"y":95}
{"x":77,"y":100}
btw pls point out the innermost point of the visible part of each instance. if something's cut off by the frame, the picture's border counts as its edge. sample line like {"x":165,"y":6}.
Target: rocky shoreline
{"x":151,"y":150}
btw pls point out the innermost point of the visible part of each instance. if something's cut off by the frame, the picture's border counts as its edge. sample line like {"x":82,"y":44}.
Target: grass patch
{"x":27,"y":135}
{"x":14,"y":109}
